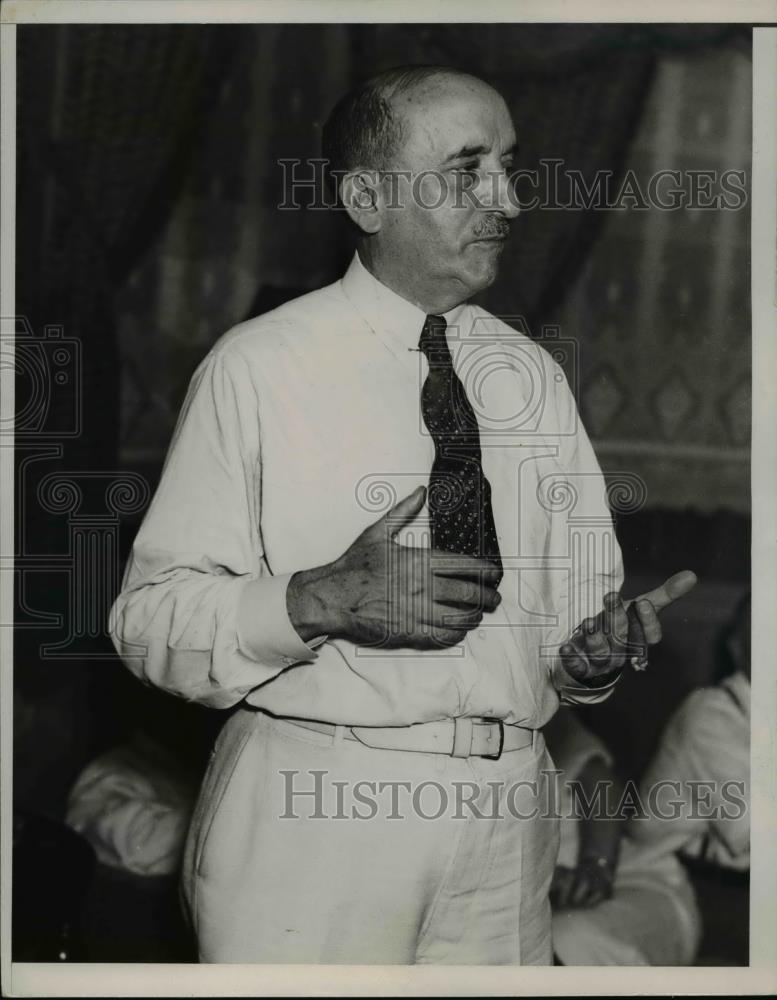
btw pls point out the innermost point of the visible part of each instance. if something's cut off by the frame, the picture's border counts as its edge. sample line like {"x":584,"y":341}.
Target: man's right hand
{"x":381,"y":593}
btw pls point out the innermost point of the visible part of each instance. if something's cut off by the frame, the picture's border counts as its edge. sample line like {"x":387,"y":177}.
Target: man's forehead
{"x":453,"y":111}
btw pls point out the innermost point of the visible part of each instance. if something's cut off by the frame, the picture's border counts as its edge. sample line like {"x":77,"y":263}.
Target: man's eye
{"x":467,"y":168}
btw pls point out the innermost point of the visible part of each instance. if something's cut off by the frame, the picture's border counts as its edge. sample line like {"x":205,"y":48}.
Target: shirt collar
{"x":388,"y":314}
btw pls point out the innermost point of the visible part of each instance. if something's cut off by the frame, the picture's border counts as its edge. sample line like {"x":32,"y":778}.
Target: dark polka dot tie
{"x":459,"y":495}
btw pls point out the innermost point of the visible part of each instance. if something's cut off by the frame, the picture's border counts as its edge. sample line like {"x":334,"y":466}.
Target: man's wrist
{"x":306,"y":604}
{"x":264,"y":629}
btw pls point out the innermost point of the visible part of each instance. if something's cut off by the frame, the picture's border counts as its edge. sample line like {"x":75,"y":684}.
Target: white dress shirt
{"x":301,"y":428}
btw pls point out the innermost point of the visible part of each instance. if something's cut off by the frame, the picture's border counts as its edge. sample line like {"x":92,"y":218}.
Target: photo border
{"x":28,"y":979}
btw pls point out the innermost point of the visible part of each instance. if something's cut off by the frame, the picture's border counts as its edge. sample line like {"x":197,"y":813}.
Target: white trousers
{"x":310,"y":848}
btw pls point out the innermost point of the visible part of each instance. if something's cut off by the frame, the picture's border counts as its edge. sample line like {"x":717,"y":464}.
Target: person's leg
{"x":493,"y":905}
{"x":332,"y":882}
{"x":392,"y":870}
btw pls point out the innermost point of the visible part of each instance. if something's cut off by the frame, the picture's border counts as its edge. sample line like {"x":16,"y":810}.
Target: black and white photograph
{"x":387,"y":518}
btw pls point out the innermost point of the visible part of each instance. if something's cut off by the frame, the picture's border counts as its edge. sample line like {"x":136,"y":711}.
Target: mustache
{"x":492,"y":227}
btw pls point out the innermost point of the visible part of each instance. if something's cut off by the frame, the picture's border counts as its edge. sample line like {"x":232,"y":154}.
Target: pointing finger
{"x":670,"y":590}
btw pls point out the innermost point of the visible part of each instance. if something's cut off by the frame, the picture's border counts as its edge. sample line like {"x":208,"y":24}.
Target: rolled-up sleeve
{"x":199,"y":614}
{"x":583,"y":548}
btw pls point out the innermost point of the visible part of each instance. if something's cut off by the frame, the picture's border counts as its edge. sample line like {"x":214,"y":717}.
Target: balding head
{"x":367,"y":126}
{"x":422,"y":156}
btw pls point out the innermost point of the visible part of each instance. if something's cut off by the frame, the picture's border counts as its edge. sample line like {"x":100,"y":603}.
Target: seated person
{"x":639,"y":908}
{"x":614,"y":902}
{"x":133,"y":804}
{"x":706,"y":747}
{"x":707,"y":741}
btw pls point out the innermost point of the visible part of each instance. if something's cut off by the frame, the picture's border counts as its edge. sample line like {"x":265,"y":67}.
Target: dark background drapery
{"x":147,"y":223}
{"x":107,"y":123}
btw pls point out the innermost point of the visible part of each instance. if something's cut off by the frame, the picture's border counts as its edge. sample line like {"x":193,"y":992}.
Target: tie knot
{"x":433,"y":335}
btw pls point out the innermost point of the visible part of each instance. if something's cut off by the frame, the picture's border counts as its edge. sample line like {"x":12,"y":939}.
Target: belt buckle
{"x":498,"y":754}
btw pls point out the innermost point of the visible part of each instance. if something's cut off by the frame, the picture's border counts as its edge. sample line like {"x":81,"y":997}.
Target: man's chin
{"x":482,"y":272}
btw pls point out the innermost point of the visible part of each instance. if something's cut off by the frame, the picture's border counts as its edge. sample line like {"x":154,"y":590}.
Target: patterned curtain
{"x":661,"y":311}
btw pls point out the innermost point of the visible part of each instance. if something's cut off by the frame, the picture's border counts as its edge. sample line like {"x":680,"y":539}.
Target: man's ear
{"x":362,"y":198}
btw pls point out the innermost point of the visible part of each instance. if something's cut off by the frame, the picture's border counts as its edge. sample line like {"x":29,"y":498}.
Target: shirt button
{"x":481,"y":633}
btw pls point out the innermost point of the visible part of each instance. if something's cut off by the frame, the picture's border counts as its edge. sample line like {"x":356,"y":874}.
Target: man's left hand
{"x":600,"y":647}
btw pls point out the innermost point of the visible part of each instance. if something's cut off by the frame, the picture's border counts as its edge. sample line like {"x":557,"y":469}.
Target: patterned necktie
{"x":459,"y":495}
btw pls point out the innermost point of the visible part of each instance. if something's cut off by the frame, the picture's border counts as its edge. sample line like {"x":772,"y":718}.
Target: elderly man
{"x":381,"y":534}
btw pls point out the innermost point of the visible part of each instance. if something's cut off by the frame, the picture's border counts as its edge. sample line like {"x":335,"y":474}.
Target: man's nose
{"x":506,"y":196}
{"x":498,"y":194}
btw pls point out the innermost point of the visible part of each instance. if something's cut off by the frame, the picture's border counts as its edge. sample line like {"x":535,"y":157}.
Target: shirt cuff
{"x":264,"y":630}
{"x":572,"y":692}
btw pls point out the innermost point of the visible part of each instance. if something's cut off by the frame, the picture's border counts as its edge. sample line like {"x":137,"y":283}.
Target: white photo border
{"x":212,"y":980}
